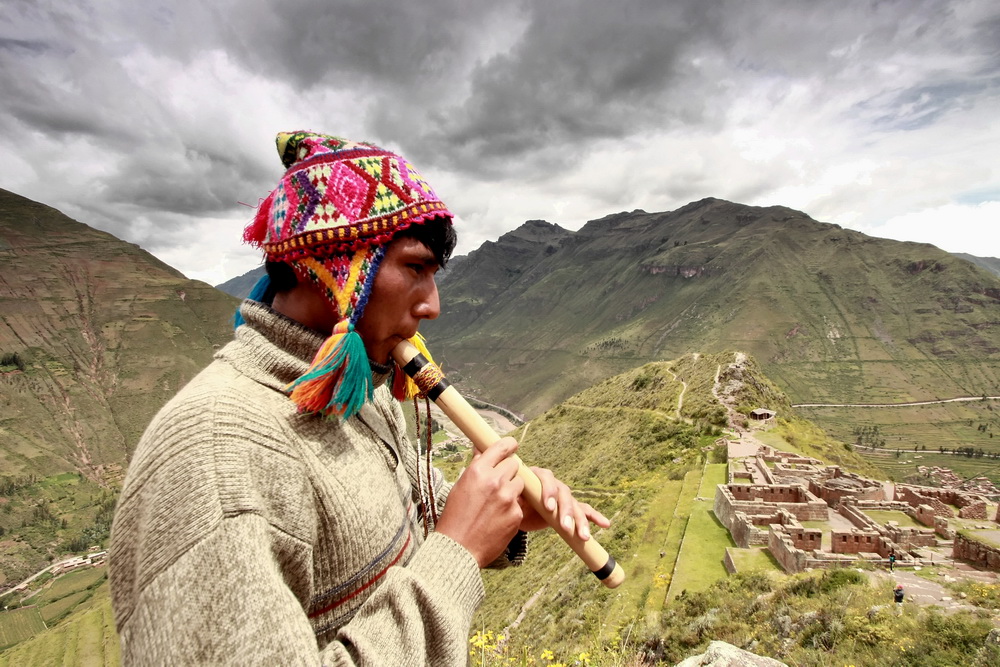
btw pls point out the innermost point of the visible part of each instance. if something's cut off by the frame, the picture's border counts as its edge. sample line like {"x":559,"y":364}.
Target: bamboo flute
{"x":432,"y":382}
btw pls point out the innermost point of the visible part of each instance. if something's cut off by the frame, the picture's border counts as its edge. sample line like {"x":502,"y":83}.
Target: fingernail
{"x":586,"y":533}
{"x":567,"y":523}
{"x":550,"y":504}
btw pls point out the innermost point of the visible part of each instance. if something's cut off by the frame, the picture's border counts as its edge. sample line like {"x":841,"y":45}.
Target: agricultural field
{"x":905,"y":465}
{"x":948,"y":425}
{"x":70,"y":583}
{"x":86,"y":637}
{"x":17,"y":625}
{"x":50,"y":601}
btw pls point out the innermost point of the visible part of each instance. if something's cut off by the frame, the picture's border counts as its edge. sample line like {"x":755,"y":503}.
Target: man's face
{"x":404,"y":292}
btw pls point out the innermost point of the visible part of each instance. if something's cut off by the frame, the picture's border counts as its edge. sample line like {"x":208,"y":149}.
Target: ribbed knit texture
{"x":248,"y":533}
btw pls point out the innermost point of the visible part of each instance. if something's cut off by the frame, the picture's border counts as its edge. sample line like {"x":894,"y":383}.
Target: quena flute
{"x":432,"y":382}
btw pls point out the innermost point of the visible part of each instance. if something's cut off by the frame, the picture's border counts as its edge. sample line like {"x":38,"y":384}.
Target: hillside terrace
{"x":810,"y":515}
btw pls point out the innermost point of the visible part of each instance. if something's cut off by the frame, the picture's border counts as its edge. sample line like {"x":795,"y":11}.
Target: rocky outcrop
{"x":721,"y":654}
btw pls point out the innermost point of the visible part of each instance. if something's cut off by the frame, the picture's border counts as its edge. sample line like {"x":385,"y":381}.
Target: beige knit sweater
{"x":247,"y":533}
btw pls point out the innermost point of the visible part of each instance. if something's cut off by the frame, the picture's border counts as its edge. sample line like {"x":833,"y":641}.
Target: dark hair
{"x":437,"y":234}
{"x":282,"y":277}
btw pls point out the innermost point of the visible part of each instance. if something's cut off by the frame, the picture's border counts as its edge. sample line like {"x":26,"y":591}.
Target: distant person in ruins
{"x":274,"y":511}
{"x":897,"y":595}
{"x":892,"y":561}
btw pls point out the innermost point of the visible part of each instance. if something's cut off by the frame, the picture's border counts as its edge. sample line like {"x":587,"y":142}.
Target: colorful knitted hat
{"x":330,"y":218}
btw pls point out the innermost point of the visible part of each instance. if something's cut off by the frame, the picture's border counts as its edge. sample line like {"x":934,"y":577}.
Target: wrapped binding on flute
{"x":433,"y":383}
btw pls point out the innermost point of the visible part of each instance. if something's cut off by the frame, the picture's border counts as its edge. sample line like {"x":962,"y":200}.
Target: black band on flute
{"x":427,"y":376}
{"x":608,"y":568}
{"x":415,"y":364}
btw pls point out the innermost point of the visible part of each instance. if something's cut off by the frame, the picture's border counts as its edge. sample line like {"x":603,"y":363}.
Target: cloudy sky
{"x":155,"y":120}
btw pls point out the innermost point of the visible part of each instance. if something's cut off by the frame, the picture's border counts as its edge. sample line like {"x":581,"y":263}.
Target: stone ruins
{"x":811,"y":515}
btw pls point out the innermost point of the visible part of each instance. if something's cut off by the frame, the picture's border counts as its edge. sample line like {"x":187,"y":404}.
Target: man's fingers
{"x":499,"y":451}
{"x":507,"y":470}
{"x":596,"y":517}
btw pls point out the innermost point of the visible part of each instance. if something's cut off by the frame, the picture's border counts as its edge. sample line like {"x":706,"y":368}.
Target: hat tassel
{"x":339,"y":380}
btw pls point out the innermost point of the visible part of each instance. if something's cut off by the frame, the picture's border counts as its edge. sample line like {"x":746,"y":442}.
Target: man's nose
{"x":429,"y":306}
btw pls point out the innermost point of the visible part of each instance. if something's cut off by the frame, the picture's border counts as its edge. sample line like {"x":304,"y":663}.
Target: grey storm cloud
{"x":148,"y":116}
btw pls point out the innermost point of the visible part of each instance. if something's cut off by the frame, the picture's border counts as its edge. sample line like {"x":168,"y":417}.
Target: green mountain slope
{"x":635,"y":446}
{"x":831,"y":314}
{"x":95,"y":335}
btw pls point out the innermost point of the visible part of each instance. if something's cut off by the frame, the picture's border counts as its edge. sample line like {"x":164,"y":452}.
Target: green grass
{"x":715,"y":474}
{"x":904,"y":520}
{"x":754,"y":559}
{"x":700,"y":562}
{"x":18,"y":625}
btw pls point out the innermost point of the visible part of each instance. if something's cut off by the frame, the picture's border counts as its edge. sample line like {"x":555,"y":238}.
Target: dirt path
{"x":895,"y":405}
{"x":680,"y":397}
{"x":924,"y":592}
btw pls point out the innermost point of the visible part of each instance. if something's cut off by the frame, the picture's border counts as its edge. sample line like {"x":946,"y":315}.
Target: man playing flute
{"x":274,"y":510}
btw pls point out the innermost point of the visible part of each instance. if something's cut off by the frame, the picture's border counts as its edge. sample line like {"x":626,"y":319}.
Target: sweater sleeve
{"x":225,"y":601}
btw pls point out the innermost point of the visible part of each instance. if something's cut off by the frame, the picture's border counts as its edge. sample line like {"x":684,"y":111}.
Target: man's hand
{"x":483,"y":511}
{"x":557,"y":498}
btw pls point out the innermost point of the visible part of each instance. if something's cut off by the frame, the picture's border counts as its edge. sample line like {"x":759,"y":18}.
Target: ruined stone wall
{"x":759,"y":499}
{"x":903,"y":536}
{"x":784,"y":551}
{"x":832,"y":495}
{"x":745,"y":533}
{"x":855,"y":516}
{"x":727,"y":562}
{"x":940,"y":499}
{"x":976,"y":510}
{"x":774,"y":456}
{"x":857,"y":541}
{"x":751,"y":529}
{"x":805,"y":538}
{"x":925,"y":514}
{"x":912,"y":497}
{"x":911,"y":537}
{"x":723,"y":506}
{"x":768,"y":493}
{"x":980,"y":554}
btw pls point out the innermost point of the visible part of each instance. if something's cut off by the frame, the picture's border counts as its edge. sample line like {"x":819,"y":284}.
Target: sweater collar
{"x":276,"y":350}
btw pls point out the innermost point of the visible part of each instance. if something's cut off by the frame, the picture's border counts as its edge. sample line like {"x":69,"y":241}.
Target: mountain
{"x":991,"y":264}
{"x":241,"y":286}
{"x":832,"y":315}
{"x":95,"y":335}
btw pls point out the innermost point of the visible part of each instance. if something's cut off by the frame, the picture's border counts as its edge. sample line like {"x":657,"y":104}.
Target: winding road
{"x":895,"y":405}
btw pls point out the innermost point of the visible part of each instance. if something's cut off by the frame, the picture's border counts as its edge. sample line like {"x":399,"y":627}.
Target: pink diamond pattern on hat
{"x":341,"y":194}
